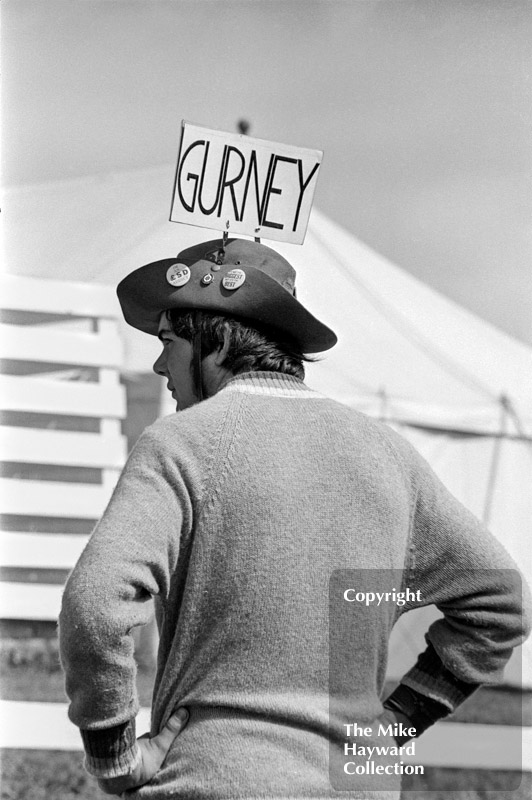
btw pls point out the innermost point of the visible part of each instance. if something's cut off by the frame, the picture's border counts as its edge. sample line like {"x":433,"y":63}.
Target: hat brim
{"x":145,"y":293}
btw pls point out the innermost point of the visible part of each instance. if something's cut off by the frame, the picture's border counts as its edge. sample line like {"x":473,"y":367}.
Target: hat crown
{"x":243,"y":253}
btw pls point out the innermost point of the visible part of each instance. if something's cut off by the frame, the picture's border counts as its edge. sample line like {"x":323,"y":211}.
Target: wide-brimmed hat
{"x":239,"y":278}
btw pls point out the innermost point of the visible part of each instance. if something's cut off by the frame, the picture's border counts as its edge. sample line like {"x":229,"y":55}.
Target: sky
{"x":422,"y":107}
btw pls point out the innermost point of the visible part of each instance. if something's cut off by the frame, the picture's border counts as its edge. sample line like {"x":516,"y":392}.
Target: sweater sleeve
{"x":464,"y":570}
{"x":130,"y":558}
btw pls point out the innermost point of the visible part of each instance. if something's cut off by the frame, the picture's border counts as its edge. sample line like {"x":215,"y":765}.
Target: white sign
{"x":229,"y":181}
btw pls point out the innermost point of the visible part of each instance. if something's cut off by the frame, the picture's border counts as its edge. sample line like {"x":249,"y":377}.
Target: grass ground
{"x":51,"y":775}
{"x":30,"y":671}
{"x":46,"y":775}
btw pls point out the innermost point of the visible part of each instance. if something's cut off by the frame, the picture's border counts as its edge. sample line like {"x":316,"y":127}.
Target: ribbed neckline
{"x":274,"y":384}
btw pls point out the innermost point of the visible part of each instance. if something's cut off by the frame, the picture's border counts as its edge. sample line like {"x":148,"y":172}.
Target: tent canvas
{"x":457,"y":387}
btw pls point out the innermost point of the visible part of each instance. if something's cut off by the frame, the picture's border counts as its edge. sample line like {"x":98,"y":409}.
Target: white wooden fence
{"x":60,"y":440}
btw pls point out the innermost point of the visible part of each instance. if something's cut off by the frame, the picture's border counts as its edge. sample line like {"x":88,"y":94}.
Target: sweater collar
{"x":271,"y":384}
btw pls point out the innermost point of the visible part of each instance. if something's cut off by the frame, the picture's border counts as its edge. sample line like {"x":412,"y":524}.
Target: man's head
{"x":238,"y":279}
{"x":227,"y":347}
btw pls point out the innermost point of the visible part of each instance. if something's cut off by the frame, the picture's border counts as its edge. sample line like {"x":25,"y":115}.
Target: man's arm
{"x":462,"y":569}
{"x":130,"y":557}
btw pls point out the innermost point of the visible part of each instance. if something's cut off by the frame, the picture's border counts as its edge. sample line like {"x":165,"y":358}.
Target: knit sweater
{"x":246,"y":517}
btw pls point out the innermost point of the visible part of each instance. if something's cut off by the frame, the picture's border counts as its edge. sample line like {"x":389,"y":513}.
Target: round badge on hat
{"x":178,"y":274}
{"x":234,"y":279}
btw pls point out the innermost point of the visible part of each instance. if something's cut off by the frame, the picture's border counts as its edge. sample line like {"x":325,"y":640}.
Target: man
{"x":234,"y":514}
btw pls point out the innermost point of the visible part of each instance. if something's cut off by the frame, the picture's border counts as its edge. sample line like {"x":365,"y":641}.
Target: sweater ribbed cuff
{"x":430,"y":677}
{"x":421,"y":711}
{"x":111,"y":752}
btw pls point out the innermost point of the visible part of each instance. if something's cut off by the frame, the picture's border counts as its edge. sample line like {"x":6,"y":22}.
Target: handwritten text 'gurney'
{"x":207,"y":183}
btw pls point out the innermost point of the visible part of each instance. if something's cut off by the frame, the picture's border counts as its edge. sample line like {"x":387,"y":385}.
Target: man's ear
{"x":221,"y":354}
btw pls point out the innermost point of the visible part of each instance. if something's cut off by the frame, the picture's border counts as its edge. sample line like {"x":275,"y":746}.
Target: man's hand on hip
{"x":153,"y":752}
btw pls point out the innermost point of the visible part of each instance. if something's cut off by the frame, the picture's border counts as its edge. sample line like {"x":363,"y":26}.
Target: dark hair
{"x":251,"y":348}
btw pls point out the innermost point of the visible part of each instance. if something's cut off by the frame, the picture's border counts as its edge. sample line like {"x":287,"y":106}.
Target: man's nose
{"x":159,"y":366}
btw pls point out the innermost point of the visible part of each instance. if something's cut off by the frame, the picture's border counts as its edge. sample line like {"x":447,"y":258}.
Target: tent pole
{"x":384,"y":414}
{"x":495,"y":458}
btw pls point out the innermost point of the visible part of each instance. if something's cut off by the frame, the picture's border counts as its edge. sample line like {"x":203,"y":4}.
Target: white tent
{"x":457,"y":387}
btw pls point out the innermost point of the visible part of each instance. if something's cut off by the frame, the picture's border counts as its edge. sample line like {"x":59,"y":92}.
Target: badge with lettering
{"x":178,"y":274}
{"x":234,"y":279}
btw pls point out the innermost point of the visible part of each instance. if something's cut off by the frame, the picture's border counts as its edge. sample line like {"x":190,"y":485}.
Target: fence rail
{"x":41,"y":550}
{"x":44,"y":395}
